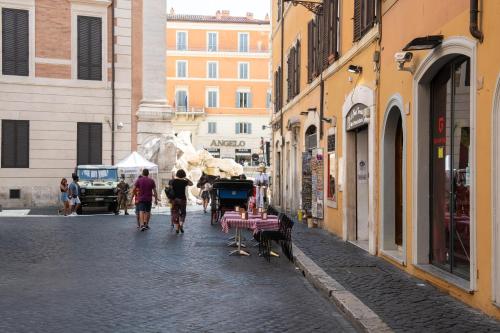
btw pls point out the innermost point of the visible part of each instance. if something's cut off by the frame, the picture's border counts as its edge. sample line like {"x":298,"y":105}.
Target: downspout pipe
{"x":113,"y":82}
{"x":282,"y":60}
{"x":474,"y":18}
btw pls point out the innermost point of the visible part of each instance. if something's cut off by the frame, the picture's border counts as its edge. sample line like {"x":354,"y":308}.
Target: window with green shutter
{"x":15,"y":42}
{"x":89,"y":48}
{"x":15,"y":143}
{"x":89,"y":143}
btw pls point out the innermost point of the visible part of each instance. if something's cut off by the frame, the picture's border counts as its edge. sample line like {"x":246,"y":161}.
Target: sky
{"x":208,"y":7}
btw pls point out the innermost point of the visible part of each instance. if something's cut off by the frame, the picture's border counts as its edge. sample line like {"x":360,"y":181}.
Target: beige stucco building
{"x":73,"y":81}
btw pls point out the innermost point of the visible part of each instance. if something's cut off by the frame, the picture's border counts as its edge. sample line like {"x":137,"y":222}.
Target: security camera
{"x":402,"y":58}
{"x":119,"y":126}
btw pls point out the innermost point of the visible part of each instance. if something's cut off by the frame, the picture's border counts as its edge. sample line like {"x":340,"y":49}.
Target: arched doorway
{"x":357,"y":120}
{"x":393,"y":180}
{"x":443,"y":187}
{"x":310,"y":143}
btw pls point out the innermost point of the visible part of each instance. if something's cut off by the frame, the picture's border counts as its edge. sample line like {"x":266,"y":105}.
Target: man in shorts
{"x":74,"y":195}
{"x":147,"y":190}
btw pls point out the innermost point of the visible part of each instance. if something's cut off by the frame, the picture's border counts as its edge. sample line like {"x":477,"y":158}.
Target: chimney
{"x":225,"y":13}
{"x":249,"y":16}
{"x":218,"y":15}
{"x":172,"y":11}
{"x":267,"y":17}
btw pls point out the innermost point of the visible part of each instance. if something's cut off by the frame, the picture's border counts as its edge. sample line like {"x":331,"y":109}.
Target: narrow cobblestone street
{"x":98,"y":274}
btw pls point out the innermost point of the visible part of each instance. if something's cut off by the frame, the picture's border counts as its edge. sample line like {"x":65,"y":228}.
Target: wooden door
{"x":399,"y":184}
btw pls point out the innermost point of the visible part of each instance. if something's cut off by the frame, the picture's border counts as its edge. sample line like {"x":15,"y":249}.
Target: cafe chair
{"x":283,"y":236}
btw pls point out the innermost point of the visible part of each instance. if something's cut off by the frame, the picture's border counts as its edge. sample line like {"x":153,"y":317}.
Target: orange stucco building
{"x":218,"y":80}
{"x":403,"y":129}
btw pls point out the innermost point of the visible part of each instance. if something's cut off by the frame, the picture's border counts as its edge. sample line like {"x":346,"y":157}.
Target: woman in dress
{"x":179,"y":200}
{"x":63,"y":187}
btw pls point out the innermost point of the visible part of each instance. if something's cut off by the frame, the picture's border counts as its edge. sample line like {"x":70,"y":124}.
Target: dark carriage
{"x":227,"y":194}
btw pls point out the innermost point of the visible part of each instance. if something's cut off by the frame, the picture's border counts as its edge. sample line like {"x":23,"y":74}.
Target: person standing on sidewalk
{"x":147,"y":189}
{"x":123,"y":189}
{"x":179,"y":200}
{"x":74,"y":195}
{"x":63,"y":187}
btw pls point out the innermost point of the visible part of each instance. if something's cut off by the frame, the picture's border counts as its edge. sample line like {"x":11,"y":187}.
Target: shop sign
{"x":227,"y":143}
{"x":243,"y":151}
{"x":358,"y":116}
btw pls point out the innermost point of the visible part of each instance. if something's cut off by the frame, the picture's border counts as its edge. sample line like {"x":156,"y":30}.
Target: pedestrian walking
{"x":205,"y":187}
{"x":64,"y":188}
{"x":74,"y":195}
{"x":135,"y":197}
{"x":262,"y":183}
{"x":123,"y":189}
{"x":179,"y":199}
{"x":147,"y":190}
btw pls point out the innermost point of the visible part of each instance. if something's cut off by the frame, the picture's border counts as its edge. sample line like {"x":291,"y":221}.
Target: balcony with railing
{"x":189,"y":112}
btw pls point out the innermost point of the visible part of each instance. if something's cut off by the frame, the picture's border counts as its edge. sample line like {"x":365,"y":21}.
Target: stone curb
{"x":356,"y":311}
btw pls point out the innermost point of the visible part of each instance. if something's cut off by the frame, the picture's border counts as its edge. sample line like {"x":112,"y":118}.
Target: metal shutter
{"x":89,"y":48}
{"x":95,"y":156}
{"x":310,"y":50}
{"x":357,"y":20}
{"x":297,"y":68}
{"x":8,"y":144}
{"x":82,"y":143}
{"x":15,"y":144}
{"x":15,"y":42}
{"x":89,"y":143}
{"x":23,"y":143}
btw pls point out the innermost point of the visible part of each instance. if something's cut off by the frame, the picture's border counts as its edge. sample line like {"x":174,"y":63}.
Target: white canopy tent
{"x":135,"y":163}
{"x":132,"y":166}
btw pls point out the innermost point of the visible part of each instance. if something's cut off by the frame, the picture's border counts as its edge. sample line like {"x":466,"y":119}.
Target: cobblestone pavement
{"x":403,"y":302}
{"x":99,"y":274}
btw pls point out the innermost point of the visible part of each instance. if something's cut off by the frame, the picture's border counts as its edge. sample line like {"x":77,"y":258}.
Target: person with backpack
{"x":176,"y":193}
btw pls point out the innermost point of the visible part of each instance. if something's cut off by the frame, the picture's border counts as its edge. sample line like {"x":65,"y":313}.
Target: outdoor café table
{"x":254,"y":223}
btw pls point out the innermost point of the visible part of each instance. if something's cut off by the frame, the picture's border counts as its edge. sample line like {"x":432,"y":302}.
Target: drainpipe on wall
{"x":112,"y":82}
{"x":321,"y":107}
{"x":281,"y":98}
{"x":474,"y":18}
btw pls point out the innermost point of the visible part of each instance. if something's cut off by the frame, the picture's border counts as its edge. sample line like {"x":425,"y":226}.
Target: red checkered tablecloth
{"x":254,"y":222}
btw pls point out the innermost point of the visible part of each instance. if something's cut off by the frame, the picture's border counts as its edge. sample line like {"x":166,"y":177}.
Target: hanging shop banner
{"x":357,"y":117}
{"x":306,"y":183}
{"x":317,"y":183}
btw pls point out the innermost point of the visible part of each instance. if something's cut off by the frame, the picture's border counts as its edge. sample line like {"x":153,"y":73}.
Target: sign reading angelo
{"x":358,"y":116}
{"x":227,"y":143}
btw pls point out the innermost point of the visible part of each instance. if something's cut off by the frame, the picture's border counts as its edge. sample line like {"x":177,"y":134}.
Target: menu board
{"x":306,"y":183}
{"x":317,"y":183}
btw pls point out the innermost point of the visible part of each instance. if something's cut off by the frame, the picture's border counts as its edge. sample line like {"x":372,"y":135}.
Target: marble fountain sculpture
{"x":174,"y":152}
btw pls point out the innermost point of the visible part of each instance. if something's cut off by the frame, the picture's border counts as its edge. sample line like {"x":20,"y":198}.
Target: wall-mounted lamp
{"x":266,"y":126}
{"x":355,"y":69}
{"x":304,"y":113}
{"x":327,"y":120}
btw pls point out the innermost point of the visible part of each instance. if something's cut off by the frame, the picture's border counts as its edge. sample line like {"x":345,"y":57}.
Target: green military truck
{"x":98,"y":187}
